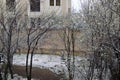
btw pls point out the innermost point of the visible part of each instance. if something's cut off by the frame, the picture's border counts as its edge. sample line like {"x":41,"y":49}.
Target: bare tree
{"x":10,"y":25}
{"x":68,"y":36}
{"x":38,"y":29}
{"x":103,"y":20}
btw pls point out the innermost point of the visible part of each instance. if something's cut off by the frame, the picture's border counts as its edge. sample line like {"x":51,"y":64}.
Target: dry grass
{"x":51,"y":43}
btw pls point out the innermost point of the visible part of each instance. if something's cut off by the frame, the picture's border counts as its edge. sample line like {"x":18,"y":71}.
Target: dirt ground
{"x":37,"y":73}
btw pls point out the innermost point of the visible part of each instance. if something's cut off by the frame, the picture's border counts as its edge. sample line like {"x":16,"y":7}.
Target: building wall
{"x":23,"y":6}
{"x":45,"y":7}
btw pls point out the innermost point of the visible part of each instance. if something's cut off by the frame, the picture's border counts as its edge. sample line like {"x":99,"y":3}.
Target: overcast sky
{"x":76,"y":5}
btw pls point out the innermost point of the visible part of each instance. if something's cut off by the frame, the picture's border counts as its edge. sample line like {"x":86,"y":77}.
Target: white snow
{"x":52,"y":62}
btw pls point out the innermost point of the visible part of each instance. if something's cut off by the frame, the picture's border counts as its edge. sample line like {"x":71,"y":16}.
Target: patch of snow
{"x":16,"y":77}
{"x":51,"y":62}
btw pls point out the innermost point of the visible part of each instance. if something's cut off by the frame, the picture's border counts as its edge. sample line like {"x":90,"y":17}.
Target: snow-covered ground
{"x":51,"y":62}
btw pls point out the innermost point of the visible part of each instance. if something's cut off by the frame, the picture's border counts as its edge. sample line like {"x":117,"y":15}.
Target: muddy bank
{"x":37,"y":73}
